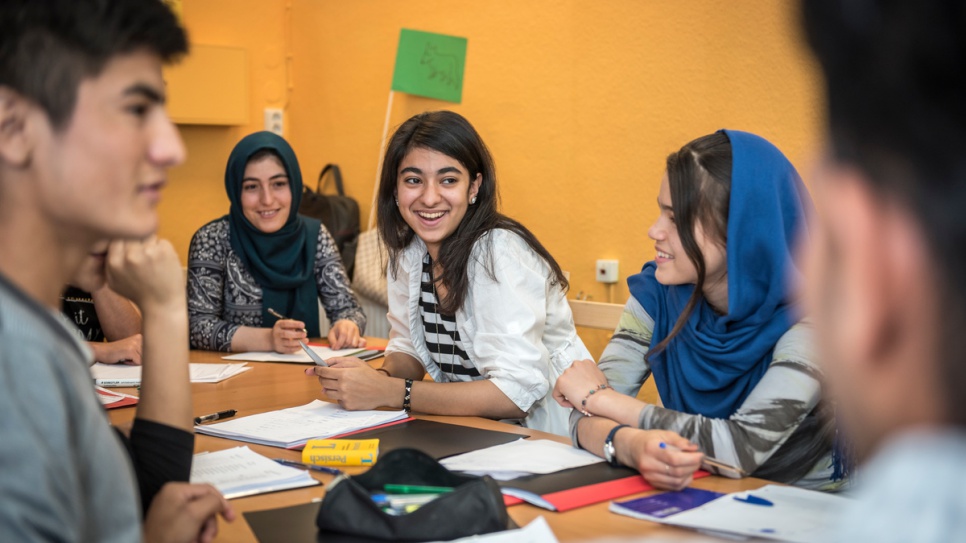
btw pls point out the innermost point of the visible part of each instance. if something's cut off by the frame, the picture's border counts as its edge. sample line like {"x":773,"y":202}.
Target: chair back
{"x":596,"y":314}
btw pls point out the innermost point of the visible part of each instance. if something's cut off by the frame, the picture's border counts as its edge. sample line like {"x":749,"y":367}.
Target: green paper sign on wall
{"x":430,"y":65}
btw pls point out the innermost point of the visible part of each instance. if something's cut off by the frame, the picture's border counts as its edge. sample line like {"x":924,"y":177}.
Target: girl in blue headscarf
{"x":263,"y":259}
{"x":715,"y":320}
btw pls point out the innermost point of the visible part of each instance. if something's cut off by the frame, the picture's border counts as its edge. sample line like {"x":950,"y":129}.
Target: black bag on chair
{"x":475,"y":506}
{"x":338,"y":212}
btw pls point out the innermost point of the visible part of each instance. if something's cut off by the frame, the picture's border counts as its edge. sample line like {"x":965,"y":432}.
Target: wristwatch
{"x":610,"y":452}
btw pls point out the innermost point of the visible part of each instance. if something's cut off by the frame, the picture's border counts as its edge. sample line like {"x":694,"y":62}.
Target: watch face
{"x":609,"y":452}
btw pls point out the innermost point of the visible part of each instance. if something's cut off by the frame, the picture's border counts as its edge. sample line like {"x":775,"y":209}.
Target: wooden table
{"x":272,"y":386}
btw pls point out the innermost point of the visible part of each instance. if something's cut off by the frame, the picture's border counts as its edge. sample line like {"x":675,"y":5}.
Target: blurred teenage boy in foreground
{"x":888,"y":268}
{"x":85,"y":144}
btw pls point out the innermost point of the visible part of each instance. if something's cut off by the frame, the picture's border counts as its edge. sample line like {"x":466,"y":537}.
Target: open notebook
{"x":291,"y":428}
{"x":239,"y":472}
{"x":784,"y":513}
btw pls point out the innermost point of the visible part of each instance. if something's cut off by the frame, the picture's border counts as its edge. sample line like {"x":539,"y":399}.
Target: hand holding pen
{"x":312,"y":354}
{"x":713,"y":464}
{"x":286,"y":333}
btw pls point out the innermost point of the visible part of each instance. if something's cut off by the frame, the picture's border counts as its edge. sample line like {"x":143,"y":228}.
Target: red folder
{"x":565,"y":500}
{"x":326,"y":344}
{"x":125,"y":400}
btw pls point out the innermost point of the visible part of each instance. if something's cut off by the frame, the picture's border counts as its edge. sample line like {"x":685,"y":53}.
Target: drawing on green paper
{"x":430,"y":65}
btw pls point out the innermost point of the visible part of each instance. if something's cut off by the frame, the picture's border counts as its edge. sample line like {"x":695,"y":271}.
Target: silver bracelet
{"x":583,"y":403}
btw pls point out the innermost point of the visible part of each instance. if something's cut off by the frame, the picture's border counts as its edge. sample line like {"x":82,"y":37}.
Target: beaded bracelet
{"x":407,"y":406}
{"x":583,"y":403}
{"x":384,"y":370}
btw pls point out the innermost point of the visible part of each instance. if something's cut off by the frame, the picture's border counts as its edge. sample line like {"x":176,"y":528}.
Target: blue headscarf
{"x":715,"y":361}
{"x":283,"y":262}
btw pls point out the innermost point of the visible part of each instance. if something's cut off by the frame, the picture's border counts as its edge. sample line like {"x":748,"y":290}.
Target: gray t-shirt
{"x":910,"y":492}
{"x":65,"y":475}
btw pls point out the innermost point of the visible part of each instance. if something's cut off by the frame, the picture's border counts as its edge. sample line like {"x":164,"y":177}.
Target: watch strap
{"x":610,"y":450}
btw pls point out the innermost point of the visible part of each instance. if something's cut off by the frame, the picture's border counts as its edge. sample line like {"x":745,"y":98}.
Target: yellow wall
{"x":579,"y":101}
{"x":196,"y":190}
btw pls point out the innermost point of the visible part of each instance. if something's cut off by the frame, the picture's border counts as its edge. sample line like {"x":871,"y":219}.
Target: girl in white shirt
{"x":474,"y":299}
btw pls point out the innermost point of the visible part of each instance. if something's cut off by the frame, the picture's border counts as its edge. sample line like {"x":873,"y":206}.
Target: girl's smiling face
{"x":434,"y":191}
{"x":673,"y":265}
{"x":266,"y":197}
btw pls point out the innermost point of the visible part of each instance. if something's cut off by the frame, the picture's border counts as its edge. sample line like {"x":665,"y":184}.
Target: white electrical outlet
{"x":275,"y":120}
{"x":607,"y":271}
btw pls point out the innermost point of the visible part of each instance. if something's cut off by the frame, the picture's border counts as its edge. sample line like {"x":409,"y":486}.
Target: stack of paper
{"x":296,"y":358}
{"x":242,"y":472}
{"x":122,"y":375}
{"x":291,"y":428}
{"x":519,"y":458}
{"x":785,"y":513}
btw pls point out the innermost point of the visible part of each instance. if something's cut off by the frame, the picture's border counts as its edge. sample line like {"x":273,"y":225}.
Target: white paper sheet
{"x":524,"y":456}
{"x":538,"y":531}
{"x":294,"y":426}
{"x":798,"y":515}
{"x":294,"y":358}
{"x":241,"y":472}
{"x":215,"y":373}
{"x":122,"y":375}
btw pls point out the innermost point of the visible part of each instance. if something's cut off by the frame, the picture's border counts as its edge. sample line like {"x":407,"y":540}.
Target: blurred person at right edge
{"x":887,"y":268}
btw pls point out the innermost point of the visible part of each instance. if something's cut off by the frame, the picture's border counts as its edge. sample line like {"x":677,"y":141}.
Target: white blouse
{"x":516,"y":325}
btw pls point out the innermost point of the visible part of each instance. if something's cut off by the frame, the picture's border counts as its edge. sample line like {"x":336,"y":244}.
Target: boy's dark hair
{"x":896,"y":81}
{"x":47,"y":47}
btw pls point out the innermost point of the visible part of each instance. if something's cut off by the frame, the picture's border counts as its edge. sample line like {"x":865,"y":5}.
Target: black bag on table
{"x":338,"y":212}
{"x":475,"y":506}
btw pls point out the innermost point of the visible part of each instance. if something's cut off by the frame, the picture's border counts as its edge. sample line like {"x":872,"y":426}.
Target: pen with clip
{"x":319,"y":361}
{"x":215,"y":416}
{"x":279,"y":316}
{"x":313,"y":467}
{"x":754,"y":500}
{"x":416,"y":489}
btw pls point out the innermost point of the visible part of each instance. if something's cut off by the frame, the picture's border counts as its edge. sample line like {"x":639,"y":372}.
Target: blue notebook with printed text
{"x":664,"y":504}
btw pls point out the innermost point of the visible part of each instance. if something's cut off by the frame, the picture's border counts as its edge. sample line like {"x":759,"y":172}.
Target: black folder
{"x":296,"y":524}
{"x":548,"y":483}
{"x":436,"y":439}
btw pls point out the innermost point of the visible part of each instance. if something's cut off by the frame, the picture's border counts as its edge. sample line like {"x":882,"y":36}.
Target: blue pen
{"x":313,"y":467}
{"x":754,"y":500}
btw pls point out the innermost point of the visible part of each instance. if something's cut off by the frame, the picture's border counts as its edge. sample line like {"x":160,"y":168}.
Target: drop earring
{"x":397,"y":202}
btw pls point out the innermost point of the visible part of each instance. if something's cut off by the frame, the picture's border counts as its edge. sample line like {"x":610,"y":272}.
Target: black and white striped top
{"x":442,"y":336}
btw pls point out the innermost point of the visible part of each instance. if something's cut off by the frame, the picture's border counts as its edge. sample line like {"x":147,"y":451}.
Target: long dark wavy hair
{"x":699,"y":176}
{"x":452,"y":135}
